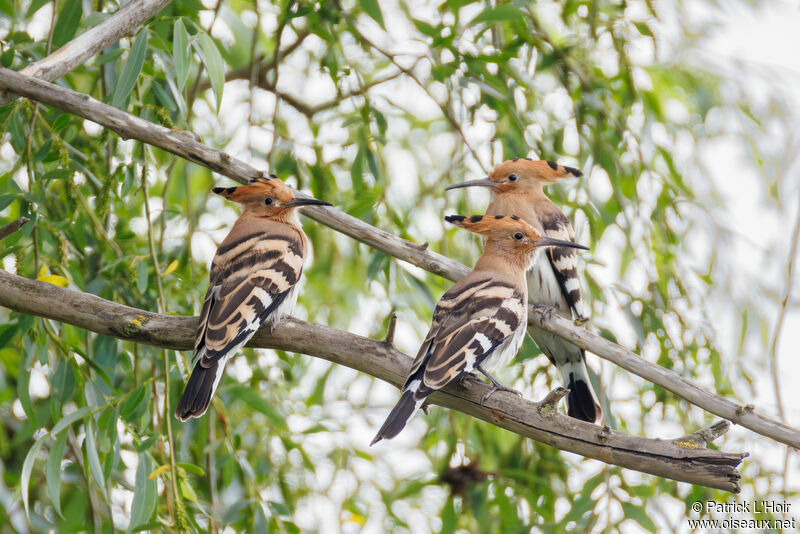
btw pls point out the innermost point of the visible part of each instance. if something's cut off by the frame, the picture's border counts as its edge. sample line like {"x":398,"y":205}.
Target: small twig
{"x":389,"y":339}
{"x":773,"y":351}
{"x":12,"y":227}
{"x":549,"y":405}
{"x":703,"y":436}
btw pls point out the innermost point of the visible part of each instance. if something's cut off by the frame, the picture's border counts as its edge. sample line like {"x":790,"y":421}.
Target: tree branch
{"x":187,"y":147}
{"x":685,"y":459}
{"x":124,"y":22}
{"x":12,"y":227}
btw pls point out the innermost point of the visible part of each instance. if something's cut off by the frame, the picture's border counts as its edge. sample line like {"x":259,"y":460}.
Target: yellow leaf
{"x":358,"y":519}
{"x":54,"y":279}
{"x":157,"y":471}
{"x":170,"y":268}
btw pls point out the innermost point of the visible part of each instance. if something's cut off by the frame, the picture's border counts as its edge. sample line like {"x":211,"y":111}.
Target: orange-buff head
{"x":522,"y":174}
{"x":269,"y":198}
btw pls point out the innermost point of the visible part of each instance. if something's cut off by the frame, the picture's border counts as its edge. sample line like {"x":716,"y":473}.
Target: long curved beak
{"x":485,"y":183}
{"x":306,"y":202}
{"x":550,"y":242}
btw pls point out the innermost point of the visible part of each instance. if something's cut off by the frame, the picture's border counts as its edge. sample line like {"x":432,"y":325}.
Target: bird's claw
{"x":495,"y":389}
{"x":546,"y":311}
{"x":469,"y":375}
{"x":580,"y":321}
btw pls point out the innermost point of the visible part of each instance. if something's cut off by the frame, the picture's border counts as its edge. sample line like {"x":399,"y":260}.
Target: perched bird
{"x":253,"y":282}
{"x":479,"y":323}
{"x":516,"y":187}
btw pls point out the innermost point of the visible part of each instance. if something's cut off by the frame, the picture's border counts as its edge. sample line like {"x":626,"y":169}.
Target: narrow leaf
{"x":6,"y":200}
{"x":69,"y":419}
{"x":67,"y":22}
{"x":259,"y":403}
{"x":53,"y":471}
{"x":373,"y":9}
{"x":27,"y":467}
{"x":171,"y":268}
{"x":180,"y":53}
{"x":144,"y":495}
{"x":498,"y":14}
{"x":91,"y":453}
{"x":214,"y":66}
{"x":141,"y":277}
{"x":130,"y":71}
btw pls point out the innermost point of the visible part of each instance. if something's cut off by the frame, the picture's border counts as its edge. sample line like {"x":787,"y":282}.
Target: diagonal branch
{"x":685,"y":459}
{"x":13,"y":226}
{"x":187,"y":147}
{"x":124,"y":22}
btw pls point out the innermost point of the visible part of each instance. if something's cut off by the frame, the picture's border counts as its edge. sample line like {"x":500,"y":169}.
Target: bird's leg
{"x":467,"y":375}
{"x":580,"y":321}
{"x":496,"y":386}
{"x":546,"y":311}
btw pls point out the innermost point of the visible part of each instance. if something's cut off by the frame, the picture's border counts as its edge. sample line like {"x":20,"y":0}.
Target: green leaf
{"x":214,"y":66}
{"x":67,"y":22}
{"x":181,"y":56}
{"x":61,"y":122}
{"x":498,"y":14}
{"x":193,"y":469}
{"x":638,"y":514}
{"x":144,"y":494}
{"x":373,"y":9}
{"x":130,"y":71}
{"x":7,"y":58}
{"x":6,"y":200}
{"x":134,"y":405}
{"x":448,"y":517}
{"x":53,"y":471}
{"x":91,"y":453}
{"x":109,"y":56}
{"x":35,"y":6}
{"x":69,"y":419}
{"x":27,"y":467}
{"x":141,"y":277}
{"x":257,"y":402}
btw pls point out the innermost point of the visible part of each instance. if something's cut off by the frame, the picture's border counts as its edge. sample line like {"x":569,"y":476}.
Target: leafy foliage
{"x":378,"y":129}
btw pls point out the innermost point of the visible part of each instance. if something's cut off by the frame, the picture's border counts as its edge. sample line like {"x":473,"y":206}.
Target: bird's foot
{"x":469,"y":375}
{"x":496,"y":386}
{"x":495,"y":389}
{"x":546,"y":311}
{"x":580,"y":321}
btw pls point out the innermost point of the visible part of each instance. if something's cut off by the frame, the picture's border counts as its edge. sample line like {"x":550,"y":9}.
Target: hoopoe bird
{"x":516,"y":188}
{"x":253,"y":282}
{"x":479,"y":323}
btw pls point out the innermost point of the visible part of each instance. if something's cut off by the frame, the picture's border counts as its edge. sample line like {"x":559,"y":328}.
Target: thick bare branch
{"x":124,"y":22}
{"x":667,"y":458}
{"x":185,"y":146}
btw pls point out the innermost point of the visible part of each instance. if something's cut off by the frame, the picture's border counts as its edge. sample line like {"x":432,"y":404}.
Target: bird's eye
{"x":512,"y":177}
{"x":518,"y":236}
{"x":268,"y":201}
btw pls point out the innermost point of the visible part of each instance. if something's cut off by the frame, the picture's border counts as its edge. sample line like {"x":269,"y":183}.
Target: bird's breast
{"x":543,"y":287}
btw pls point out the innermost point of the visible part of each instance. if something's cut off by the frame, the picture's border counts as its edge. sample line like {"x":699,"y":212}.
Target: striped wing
{"x":564,"y":260}
{"x":251,"y":277}
{"x":472,"y":319}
